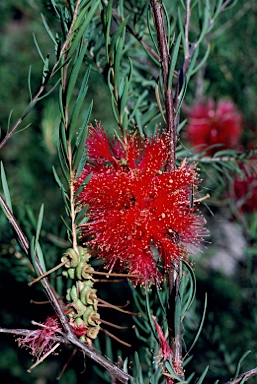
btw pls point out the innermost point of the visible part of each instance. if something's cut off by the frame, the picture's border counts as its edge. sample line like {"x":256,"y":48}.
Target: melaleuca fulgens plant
{"x":132,"y":198}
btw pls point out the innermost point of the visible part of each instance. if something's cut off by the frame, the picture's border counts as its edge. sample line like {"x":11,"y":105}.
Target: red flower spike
{"x":210,"y":124}
{"x":139,"y":212}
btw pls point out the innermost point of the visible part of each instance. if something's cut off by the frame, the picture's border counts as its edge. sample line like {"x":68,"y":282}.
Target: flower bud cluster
{"x":85,"y":319}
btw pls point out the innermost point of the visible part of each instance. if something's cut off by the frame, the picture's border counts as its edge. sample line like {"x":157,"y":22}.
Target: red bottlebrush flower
{"x":210,"y":124}
{"x":245,"y":191}
{"x":40,"y":340}
{"x":139,"y":212}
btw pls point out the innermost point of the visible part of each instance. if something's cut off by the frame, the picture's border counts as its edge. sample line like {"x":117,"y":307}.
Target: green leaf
{"x":39,"y":224}
{"x":201,"y":378}
{"x":205,"y":25}
{"x":37,"y":256}
{"x":40,"y":257}
{"x":192,"y":289}
{"x":38,"y":48}
{"x":58,"y":181}
{"x":169,"y":366}
{"x":117,"y":62}
{"x":46,"y":73}
{"x":239,"y":364}
{"x":29,"y":83}
{"x":149,"y":314}
{"x":108,"y":19}
{"x":5,"y":187}
{"x":49,"y":92}
{"x":174,"y":58}
{"x":74,"y":72}
{"x":117,"y":34}
{"x":124,"y":97}
{"x":81,"y":140}
{"x":139,"y":379}
{"x":82,"y":162}
{"x":62,"y":161}
{"x":82,"y":27}
{"x":79,"y":103}
{"x":200,"y":326}
{"x":48,"y":29}
{"x":196,"y":69}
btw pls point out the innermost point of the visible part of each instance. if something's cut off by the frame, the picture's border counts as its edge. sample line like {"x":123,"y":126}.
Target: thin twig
{"x":246,"y":375}
{"x":23,"y":239}
{"x":165,"y":62}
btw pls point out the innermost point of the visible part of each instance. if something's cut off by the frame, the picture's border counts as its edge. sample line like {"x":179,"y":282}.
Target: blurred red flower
{"x":245,"y":190}
{"x":140,"y":214}
{"x":210,"y":123}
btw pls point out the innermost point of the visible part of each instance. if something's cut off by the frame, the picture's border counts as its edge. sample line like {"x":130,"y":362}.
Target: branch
{"x":23,"y":239}
{"x":246,"y":376}
{"x":165,"y":62}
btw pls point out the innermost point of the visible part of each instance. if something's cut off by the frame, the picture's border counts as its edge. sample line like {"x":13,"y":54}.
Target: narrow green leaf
{"x":62,"y":161}
{"x":217,"y":9}
{"x":169,"y":366}
{"x":181,"y":28}
{"x":192,"y":63}
{"x":124,"y":97}
{"x":48,"y":29}
{"x":81,"y":14}
{"x":38,"y":48}
{"x":9,"y":120}
{"x":150,"y":30}
{"x":83,"y":131}
{"x":80,"y":158}
{"x":192,"y":289}
{"x":56,"y":177}
{"x":196,"y":69}
{"x":174,"y":58}
{"x":117,"y":62}
{"x":82,"y":28}
{"x":239,"y":364}
{"x":41,"y":257}
{"x":140,"y":379}
{"x":39,"y":224}
{"x":205,"y":25}
{"x":75,"y":72}
{"x":46,"y":73}
{"x":138,"y":103}
{"x":181,"y":125}
{"x":49,"y":92}
{"x":117,"y":34}
{"x":114,"y":109}
{"x":200,"y":326}
{"x":5,"y":187}
{"x":202,"y":377}
{"x":108,"y":19}
{"x":61,"y":107}
{"x":63,"y":139}
{"x":29,"y":83}
{"x":79,"y":102}
{"x":33,"y":255}
{"x":149,"y":314}
{"x":81,"y":215}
